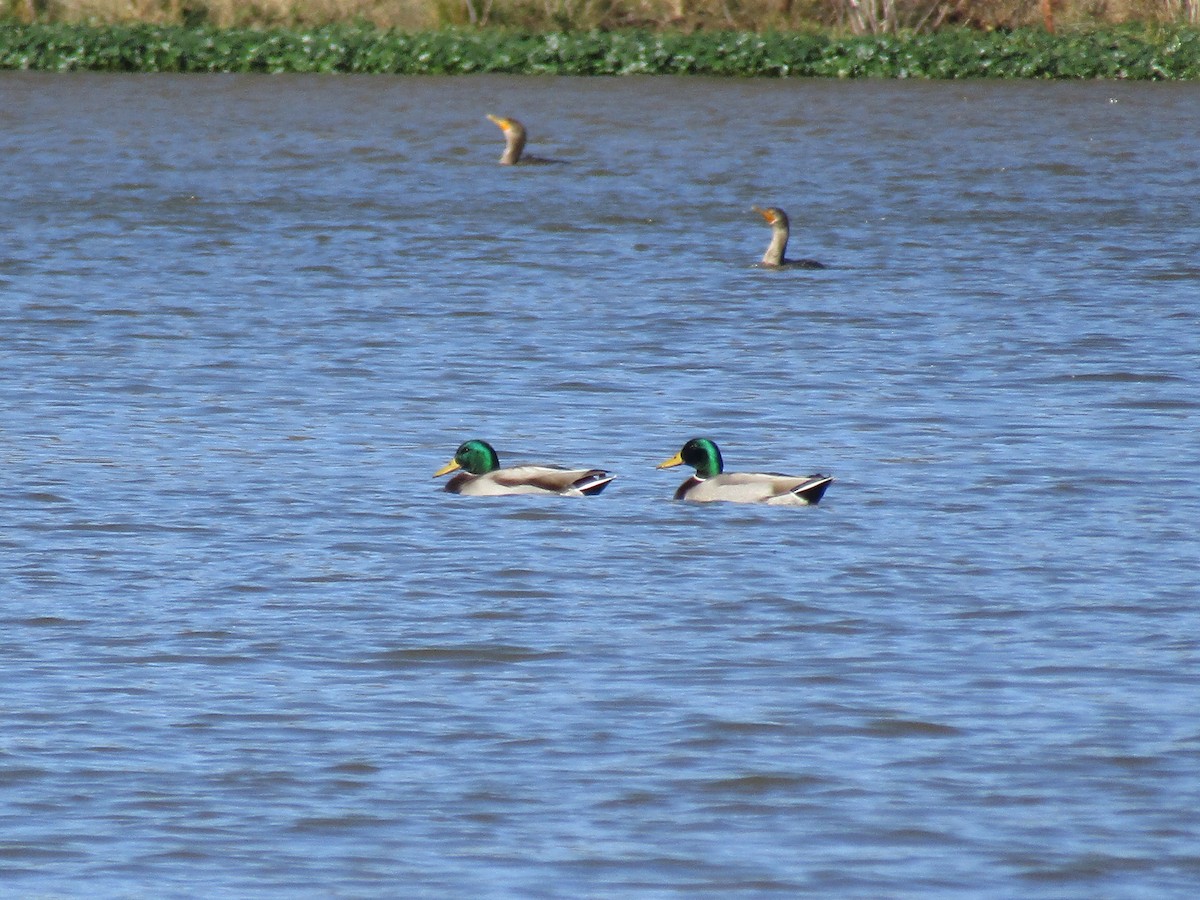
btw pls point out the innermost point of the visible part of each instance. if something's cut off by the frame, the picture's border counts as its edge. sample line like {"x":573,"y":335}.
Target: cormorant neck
{"x":779,"y":239}
{"x":514,"y":143}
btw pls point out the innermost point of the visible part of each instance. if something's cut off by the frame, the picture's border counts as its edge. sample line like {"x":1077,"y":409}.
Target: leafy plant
{"x":1132,"y":53}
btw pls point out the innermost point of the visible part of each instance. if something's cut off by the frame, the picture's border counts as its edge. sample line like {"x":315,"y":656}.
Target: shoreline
{"x":1161,"y":53}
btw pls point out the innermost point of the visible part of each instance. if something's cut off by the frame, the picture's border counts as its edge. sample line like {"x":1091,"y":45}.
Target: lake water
{"x":252,"y":649}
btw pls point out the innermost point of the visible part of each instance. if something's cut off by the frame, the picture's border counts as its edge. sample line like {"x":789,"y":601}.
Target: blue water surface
{"x":253,"y":650}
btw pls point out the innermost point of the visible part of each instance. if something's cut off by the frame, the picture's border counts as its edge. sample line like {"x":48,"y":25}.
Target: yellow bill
{"x":447,"y":468}
{"x":676,"y":460}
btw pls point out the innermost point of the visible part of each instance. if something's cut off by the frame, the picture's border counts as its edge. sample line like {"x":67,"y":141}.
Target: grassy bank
{"x":1132,"y":53}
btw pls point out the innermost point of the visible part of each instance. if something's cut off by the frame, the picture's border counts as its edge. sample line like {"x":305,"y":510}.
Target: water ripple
{"x":252,"y":645}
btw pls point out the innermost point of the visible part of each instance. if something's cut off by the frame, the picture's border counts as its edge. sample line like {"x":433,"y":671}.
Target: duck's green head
{"x":476,"y":457}
{"x":699,"y":453}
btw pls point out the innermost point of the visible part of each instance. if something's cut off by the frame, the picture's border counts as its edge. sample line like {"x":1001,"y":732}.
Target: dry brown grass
{"x":852,"y":15}
{"x":1016,"y":13}
{"x":407,"y":14}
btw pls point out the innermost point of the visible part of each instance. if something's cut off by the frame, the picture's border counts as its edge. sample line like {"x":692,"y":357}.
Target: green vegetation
{"x":1133,"y":52}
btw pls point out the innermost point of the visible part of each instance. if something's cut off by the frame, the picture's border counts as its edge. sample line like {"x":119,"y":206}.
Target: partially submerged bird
{"x":514,"y":144}
{"x":780,"y":229}
{"x":711,"y":482}
{"x":481,"y":476}
{"x":514,"y":139}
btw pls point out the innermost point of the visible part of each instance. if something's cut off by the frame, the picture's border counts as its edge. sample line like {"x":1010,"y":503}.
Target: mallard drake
{"x":481,"y":476}
{"x":711,"y":482}
{"x":780,"y":229}
{"x":514,"y":139}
